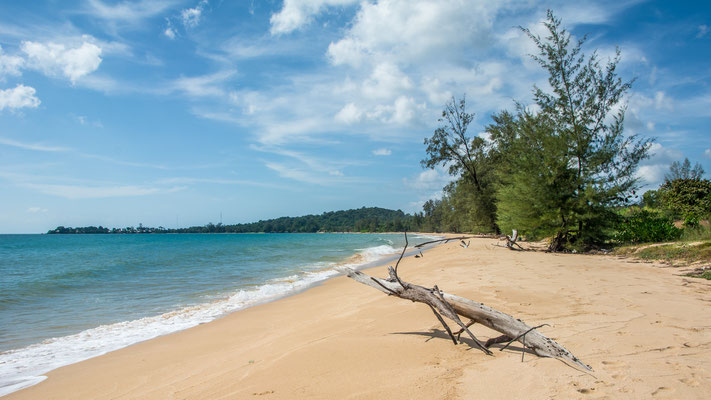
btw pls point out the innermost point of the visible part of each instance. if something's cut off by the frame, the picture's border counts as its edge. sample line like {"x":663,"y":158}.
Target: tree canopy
{"x":558,"y":168}
{"x":684,"y":170}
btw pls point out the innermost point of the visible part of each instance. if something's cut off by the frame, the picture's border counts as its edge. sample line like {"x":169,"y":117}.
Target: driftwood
{"x":511,"y":241}
{"x":451,"y":306}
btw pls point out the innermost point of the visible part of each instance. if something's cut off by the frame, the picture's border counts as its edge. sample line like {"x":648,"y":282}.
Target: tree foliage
{"x":467,"y":158}
{"x":568,"y":164}
{"x":365,"y":219}
{"x":644,"y":225}
{"x":684,"y":170}
{"x":688,"y":199}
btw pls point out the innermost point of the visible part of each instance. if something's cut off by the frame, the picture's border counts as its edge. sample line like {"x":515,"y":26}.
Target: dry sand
{"x":644,"y":329}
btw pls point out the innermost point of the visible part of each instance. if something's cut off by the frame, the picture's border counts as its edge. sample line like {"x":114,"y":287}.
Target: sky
{"x":182,"y":112}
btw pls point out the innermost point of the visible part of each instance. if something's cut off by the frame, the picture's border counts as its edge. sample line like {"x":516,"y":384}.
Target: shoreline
{"x":362,"y":259}
{"x":341,"y":339}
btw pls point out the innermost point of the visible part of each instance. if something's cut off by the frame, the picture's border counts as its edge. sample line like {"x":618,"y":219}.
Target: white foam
{"x":24,"y":367}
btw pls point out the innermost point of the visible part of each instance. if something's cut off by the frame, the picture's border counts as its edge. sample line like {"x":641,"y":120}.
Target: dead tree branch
{"x":510,"y":327}
{"x":451,"y":306}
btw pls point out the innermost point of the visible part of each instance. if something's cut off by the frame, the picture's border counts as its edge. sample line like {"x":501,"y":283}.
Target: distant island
{"x":366,"y":219}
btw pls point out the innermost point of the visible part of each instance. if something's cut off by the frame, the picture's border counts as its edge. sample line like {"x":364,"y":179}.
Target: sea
{"x":67,"y":298}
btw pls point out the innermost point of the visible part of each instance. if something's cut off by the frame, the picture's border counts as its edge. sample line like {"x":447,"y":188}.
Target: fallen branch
{"x":451,"y":306}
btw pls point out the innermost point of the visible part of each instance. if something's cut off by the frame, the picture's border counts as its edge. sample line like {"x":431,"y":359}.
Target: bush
{"x":686,"y":199}
{"x":646,"y":226}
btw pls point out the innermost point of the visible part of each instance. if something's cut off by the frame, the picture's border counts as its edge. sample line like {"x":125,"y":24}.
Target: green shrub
{"x":646,"y":226}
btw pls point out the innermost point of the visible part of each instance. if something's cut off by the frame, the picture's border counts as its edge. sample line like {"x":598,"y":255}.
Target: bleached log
{"x":509,"y":326}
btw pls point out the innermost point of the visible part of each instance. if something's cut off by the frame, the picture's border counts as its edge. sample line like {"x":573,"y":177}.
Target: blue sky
{"x":170,"y":112}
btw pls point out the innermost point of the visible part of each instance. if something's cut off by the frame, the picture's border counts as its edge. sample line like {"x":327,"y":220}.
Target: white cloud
{"x":205,"y":85}
{"x":74,"y":192}
{"x":707,"y":153}
{"x":32,"y":146}
{"x":349,"y":114}
{"x":652,"y":170}
{"x":36,"y":210}
{"x":386,"y":81}
{"x":84,"y":120}
{"x":429,"y":180}
{"x":191,"y":16}
{"x":58,"y":59}
{"x":297,"y":13}
{"x":19,"y":97}
{"x":661,"y":102}
{"x":128,"y":11}
{"x":169,"y":32}
{"x":296,"y":174}
{"x":408,"y":31}
{"x":702,"y":31}
{"x":382,"y":152}
{"x":403,"y":111}
{"x":9,"y":65}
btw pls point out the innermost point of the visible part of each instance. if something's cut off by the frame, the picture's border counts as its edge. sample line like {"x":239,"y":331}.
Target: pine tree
{"x":569,"y":164}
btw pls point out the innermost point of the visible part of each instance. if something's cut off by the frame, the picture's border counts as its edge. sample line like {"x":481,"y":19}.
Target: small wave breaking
{"x":24,"y":367}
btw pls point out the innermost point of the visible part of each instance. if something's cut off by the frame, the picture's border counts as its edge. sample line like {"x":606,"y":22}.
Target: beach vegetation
{"x":679,"y":252}
{"x":641,"y":225}
{"x":686,"y":199}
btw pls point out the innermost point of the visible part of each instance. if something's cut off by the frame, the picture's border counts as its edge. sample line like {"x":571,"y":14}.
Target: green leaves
{"x":569,"y":164}
{"x":688,"y":199}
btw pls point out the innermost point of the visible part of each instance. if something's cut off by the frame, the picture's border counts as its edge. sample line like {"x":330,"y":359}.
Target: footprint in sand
{"x":615,"y":366}
{"x":690,"y":381}
{"x":662,"y":390}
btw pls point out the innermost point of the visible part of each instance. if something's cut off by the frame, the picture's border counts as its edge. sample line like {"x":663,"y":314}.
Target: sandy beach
{"x":644,"y":329}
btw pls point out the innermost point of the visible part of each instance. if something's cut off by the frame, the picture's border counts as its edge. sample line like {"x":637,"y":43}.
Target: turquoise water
{"x":65,"y":298}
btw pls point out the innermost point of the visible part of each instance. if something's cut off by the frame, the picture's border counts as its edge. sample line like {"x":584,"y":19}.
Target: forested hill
{"x":372,"y":219}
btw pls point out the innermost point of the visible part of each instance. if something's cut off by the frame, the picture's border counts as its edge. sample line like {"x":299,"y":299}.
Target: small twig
{"x":453,"y":315}
{"x":459,"y":332}
{"x":443,"y":240}
{"x":398,"y":263}
{"x":384,"y":287}
{"x":523,"y":350}
{"x":439,"y":317}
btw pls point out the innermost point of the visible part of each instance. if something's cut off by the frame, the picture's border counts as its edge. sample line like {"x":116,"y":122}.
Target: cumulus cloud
{"x":429,"y":180}
{"x":408,"y":31}
{"x":9,"y":65}
{"x":297,"y":13}
{"x":386,"y":81}
{"x":19,"y":97}
{"x":54,"y":59}
{"x":382,"y":152}
{"x":349,"y":114}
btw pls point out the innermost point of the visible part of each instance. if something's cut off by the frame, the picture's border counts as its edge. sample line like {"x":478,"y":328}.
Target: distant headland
{"x":365,"y":219}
